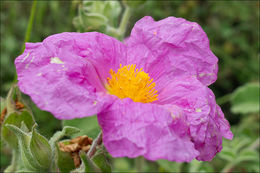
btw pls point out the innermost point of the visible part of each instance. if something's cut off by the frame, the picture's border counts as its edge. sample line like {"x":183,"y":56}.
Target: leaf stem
{"x":95,"y":143}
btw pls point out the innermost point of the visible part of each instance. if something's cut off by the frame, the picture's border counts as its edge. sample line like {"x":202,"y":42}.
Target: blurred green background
{"x":233,"y":31}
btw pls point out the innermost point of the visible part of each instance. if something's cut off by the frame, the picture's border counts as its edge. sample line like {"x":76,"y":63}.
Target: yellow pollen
{"x":131,"y":82}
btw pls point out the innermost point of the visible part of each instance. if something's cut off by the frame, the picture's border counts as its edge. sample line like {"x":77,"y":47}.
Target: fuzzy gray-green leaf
{"x":90,"y":166}
{"x":24,"y":144}
{"x":15,"y":118}
{"x":102,"y":161}
{"x":87,"y":125}
{"x":40,"y":149}
{"x":64,"y":160}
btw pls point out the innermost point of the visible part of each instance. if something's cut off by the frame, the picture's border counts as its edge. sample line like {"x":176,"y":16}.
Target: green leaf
{"x":14,"y":163}
{"x":24,"y":127}
{"x":40,"y":149}
{"x":64,"y":161}
{"x":24,"y":142}
{"x":101,"y":159}
{"x":253,"y":166}
{"x":66,"y":131}
{"x":93,"y":21}
{"x":199,"y":166}
{"x":122,"y":165}
{"x":110,"y":9}
{"x":239,"y":143}
{"x":80,"y":169}
{"x":227,"y":155}
{"x":170,"y":166}
{"x":245,"y":99}
{"x":16,"y":119}
{"x":89,"y":165}
{"x":247,"y":155}
{"x":88,"y":126}
{"x":97,"y":16}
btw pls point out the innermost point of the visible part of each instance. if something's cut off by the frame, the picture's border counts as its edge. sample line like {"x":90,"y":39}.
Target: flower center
{"x":133,"y":83}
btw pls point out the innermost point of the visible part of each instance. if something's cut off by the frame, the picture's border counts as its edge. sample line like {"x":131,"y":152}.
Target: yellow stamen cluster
{"x":133,"y":83}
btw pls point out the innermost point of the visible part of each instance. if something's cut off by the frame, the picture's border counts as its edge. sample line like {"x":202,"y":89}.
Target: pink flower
{"x":150,"y":93}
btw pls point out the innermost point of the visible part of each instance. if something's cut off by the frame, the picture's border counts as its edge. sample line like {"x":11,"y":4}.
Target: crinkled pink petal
{"x":170,"y":48}
{"x":207,"y":124}
{"x":133,"y":129}
{"x":102,"y":51}
{"x":65,"y":73}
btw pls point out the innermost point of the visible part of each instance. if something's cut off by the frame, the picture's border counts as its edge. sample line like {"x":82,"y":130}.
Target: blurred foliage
{"x":233,"y":30}
{"x":245,"y":99}
{"x":88,"y":125}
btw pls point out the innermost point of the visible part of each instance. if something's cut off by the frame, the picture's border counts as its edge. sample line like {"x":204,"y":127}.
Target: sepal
{"x":101,"y":159}
{"x":16,"y":119}
{"x":15,"y":113}
{"x":97,"y":16}
{"x":40,"y":149}
{"x":88,"y":164}
{"x":64,"y":160}
{"x":27,"y":158}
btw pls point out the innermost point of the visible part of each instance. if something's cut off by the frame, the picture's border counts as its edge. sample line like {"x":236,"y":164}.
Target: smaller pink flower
{"x":150,"y":93}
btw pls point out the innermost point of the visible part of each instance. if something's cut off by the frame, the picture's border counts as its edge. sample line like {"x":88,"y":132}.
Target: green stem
{"x":30,"y":24}
{"x":228,"y":168}
{"x":29,"y":29}
{"x":139,"y":161}
{"x":14,"y":163}
{"x":119,"y":32}
{"x":124,"y":21}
